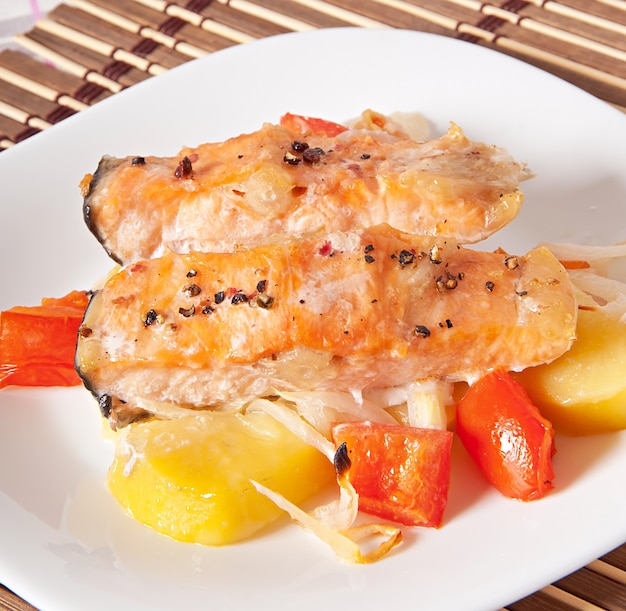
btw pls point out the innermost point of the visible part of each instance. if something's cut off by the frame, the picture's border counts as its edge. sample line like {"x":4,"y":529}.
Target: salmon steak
{"x":219,"y":197}
{"x":351,"y":311}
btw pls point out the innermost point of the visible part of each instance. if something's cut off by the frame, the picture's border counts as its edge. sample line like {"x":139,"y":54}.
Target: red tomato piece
{"x":401,"y":473}
{"x":506,"y":435}
{"x":37,"y":343}
{"x":74,"y":299}
{"x":311,"y":126}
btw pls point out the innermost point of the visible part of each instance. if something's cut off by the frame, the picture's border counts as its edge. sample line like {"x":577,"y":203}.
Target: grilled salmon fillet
{"x":373,"y":308}
{"x":220,"y":196}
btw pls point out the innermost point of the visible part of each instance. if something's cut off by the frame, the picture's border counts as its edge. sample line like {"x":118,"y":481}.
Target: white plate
{"x":65,"y":545}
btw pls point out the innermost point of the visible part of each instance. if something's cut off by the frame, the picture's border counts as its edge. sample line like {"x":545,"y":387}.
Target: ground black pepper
{"x":150,"y":318}
{"x":435,"y":255}
{"x":511,"y":262}
{"x":264,"y":301}
{"x":422,"y":331}
{"x":406,"y":257}
{"x":191,"y":290}
{"x":291,"y":159}
{"x":448,"y":283}
{"x":239,"y":297}
{"x":187,"y":312}
{"x":299,"y":146}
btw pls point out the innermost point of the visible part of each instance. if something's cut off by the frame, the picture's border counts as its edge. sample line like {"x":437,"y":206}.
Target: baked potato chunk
{"x":583,"y":392}
{"x":189,"y":478}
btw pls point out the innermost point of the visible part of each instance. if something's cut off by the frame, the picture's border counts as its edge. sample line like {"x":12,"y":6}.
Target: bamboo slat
{"x":113,"y":44}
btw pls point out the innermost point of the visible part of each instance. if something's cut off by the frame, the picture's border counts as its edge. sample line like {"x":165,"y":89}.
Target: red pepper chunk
{"x":37,"y":343}
{"x":308,"y":126}
{"x":401,"y":473}
{"x":506,"y":435}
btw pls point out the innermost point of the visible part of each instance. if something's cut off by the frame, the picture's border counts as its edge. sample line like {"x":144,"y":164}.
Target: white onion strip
{"x":581,"y":252}
{"x":609,"y":295}
{"x":165,"y":410}
{"x":340,"y":514}
{"x":333,"y":522}
{"x":322,"y":408}
{"x":605,"y":278}
{"x":299,"y":427}
{"x":343,"y":543}
{"x":427,"y":402}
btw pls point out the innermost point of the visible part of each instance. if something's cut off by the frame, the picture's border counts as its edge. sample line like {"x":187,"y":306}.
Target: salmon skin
{"x":219,"y":197}
{"x":351,"y":311}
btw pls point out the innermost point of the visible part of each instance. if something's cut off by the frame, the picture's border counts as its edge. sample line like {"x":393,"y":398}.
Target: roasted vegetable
{"x":584,"y":391}
{"x":400,"y":473}
{"x":37,"y":343}
{"x":189,"y":478}
{"x":507,"y":437}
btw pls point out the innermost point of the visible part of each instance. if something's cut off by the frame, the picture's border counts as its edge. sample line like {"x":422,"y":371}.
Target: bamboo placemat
{"x":87,"y":50}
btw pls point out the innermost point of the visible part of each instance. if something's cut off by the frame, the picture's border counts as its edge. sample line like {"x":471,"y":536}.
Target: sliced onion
{"x":297,"y":425}
{"x":607,"y":261}
{"x":345,"y":543}
{"x":427,"y":403}
{"x":601,"y":284}
{"x":165,"y":410}
{"x":387,"y":397}
{"x":566,"y":251}
{"x":398,"y":124}
{"x":341,"y":513}
{"x":332,"y":522}
{"x":322,"y":408}
{"x":605,"y":293}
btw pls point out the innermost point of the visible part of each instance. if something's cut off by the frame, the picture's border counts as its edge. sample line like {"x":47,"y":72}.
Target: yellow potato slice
{"x":583,"y":392}
{"x":189,"y":478}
